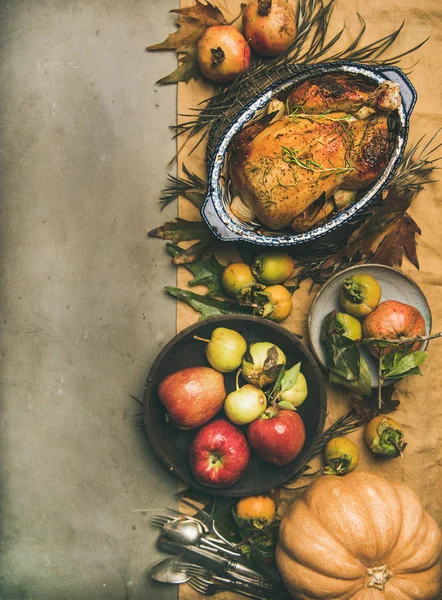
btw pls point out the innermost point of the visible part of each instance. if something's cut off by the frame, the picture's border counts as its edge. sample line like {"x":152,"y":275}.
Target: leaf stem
{"x":381,"y":379}
{"x":402,"y":340}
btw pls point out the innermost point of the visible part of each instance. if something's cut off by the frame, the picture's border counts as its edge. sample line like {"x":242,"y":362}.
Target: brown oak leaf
{"x":399,"y":240}
{"x":192,"y":23}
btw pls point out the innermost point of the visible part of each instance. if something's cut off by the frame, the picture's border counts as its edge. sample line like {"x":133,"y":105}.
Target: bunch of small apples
{"x":257,"y":416}
{"x":259,"y":285}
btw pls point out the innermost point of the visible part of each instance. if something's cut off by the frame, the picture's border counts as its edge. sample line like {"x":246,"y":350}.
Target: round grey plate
{"x":395,"y":285}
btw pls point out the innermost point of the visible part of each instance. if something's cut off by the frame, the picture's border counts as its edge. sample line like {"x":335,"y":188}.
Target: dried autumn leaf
{"x":181,"y":230}
{"x":192,"y":23}
{"x":192,"y":254}
{"x":400,"y":239}
{"x":393,"y":207}
{"x":206,"y":271}
{"x":206,"y":305}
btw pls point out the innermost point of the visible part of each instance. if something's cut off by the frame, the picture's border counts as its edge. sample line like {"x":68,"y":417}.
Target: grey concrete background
{"x":84,"y":145}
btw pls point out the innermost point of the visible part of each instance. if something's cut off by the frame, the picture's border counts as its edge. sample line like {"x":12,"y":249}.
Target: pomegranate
{"x":392,"y":320}
{"x":223,"y":53}
{"x":269,"y":26}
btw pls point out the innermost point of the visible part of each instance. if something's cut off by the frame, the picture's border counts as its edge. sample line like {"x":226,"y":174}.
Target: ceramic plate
{"x":395,"y":285}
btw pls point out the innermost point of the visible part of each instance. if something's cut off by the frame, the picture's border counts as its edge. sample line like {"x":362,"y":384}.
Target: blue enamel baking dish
{"x":227,"y":227}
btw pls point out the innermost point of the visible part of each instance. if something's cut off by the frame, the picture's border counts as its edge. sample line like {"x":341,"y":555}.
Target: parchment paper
{"x":420,"y":411}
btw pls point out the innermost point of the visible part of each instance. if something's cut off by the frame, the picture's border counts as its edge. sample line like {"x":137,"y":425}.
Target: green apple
{"x":296,"y":394}
{"x":245,"y":404}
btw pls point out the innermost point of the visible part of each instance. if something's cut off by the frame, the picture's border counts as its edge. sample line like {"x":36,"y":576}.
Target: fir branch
{"x":342,"y":426}
{"x":182,"y":186}
{"x":417,"y":165}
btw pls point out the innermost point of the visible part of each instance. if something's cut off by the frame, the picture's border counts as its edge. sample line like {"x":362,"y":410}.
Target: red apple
{"x":392,"y":320}
{"x":277,"y":435}
{"x":192,"y":396}
{"x":219,"y":454}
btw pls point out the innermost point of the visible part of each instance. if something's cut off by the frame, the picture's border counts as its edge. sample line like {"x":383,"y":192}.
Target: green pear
{"x":296,"y":394}
{"x":225,"y":349}
{"x":245,"y":404}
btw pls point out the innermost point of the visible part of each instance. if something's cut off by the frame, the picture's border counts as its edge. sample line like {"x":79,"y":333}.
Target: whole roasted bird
{"x":311,"y":153}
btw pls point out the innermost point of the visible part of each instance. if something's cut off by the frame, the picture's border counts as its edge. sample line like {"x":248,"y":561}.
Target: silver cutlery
{"x":209,"y":587}
{"x":206,"y":558}
{"x":190,"y":531}
{"x":169,"y":570}
{"x":196,"y":570}
{"x":207,"y":520}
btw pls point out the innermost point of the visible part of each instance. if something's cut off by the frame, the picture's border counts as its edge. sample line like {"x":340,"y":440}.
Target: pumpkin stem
{"x":377,"y":577}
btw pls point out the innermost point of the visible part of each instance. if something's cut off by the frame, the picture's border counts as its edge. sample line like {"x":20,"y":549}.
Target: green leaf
{"x":206,"y":270}
{"x":407,"y":365}
{"x":197,"y":198}
{"x":290,"y":377}
{"x":277,"y":385}
{"x":286,"y":405}
{"x":205,"y":304}
{"x":413,"y":371}
{"x":248,"y":252}
{"x":362,"y":385}
{"x":182,"y":230}
{"x":343,"y":357}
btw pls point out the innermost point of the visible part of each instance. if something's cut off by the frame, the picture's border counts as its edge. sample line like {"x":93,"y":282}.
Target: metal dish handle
{"x":214,"y":222}
{"x":408,"y":93}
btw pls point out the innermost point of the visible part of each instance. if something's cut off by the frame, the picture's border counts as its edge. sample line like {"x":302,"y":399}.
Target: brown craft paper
{"x":420,"y":411}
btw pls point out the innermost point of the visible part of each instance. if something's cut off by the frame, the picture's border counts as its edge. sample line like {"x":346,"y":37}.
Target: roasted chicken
{"x":291,"y":167}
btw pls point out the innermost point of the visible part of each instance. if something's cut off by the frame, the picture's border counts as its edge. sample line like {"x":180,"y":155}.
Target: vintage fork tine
{"x":160,"y":522}
{"x":194,"y":569}
{"x":163,"y":517}
{"x":182,"y":514}
{"x":197,"y":585}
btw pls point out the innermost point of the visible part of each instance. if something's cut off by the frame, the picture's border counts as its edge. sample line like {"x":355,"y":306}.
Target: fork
{"x":198,"y":570}
{"x":209,"y":587}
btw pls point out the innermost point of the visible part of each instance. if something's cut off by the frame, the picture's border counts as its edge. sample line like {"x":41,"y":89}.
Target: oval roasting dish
{"x":215,"y":210}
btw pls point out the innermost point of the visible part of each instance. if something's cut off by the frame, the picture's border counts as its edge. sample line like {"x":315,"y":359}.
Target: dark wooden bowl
{"x":172,"y":445}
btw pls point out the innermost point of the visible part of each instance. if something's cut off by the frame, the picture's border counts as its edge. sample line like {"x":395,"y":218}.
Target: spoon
{"x":169,"y":570}
{"x":190,"y":532}
{"x":183,"y":531}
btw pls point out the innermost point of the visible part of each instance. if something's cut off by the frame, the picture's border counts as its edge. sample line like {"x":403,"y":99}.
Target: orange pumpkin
{"x":359,"y":537}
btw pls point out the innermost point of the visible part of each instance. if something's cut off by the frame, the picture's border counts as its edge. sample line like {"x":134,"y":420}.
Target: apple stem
{"x":200,"y":339}
{"x":237,"y":378}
